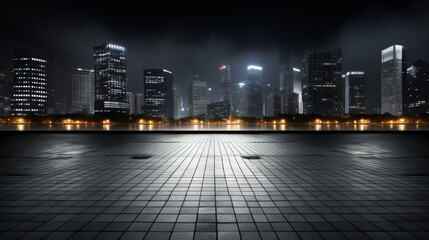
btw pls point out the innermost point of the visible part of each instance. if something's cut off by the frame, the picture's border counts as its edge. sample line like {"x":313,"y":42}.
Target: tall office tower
{"x":5,"y":90}
{"x":285,"y":80}
{"x":33,"y":87}
{"x":240,"y":100}
{"x":418,"y":88}
{"x":393,"y":79}
{"x":139,"y":103}
{"x":225,"y":84}
{"x":289,"y":103}
{"x":177,"y":101}
{"x":158,"y":93}
{"x":131,"y":103}
{"x":267,"y":89}
{"x":110,"y":74}
{"x":83,"y":91}
{"x":297,"y":87}
{"x":218,"y":111}
{"x":254,"y":91}
{"x":354,"y":93}
{"x":322,"y":85}
{"x":273,"y":104}
{"x":197,"y":96}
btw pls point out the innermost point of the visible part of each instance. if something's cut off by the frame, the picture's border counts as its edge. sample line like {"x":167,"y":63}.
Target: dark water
{"x":214,"y":127}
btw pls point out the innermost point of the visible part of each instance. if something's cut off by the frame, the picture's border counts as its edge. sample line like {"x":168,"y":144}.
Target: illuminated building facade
{"x":110,"y":74}
{"x":393,"y":80}
{"x":158,"y":93}
{"x":83,"y":91}
{"x":33,"y":90}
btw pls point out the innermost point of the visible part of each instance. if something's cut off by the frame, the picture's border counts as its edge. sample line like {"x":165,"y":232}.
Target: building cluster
{"x":318,"y":87}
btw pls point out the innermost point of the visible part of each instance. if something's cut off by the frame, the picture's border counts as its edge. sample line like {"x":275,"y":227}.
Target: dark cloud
{"x":194,"y":39}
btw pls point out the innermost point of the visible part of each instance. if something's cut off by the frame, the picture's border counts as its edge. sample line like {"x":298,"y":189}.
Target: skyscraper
{"x":131,"y":103}
{"x":83,"y":91}
{"x":240,"y":97}
{"x":297,"y":87}
{"x":5,"y":90}
{"x":225,"y":84}
{"x":285,"y":80}
{"x":289,"y":103}
{"x":110,"y":79}
{"x":254,"y":91}
{"x":393,"y":79}
{"x":273,"y":105}
{"x":354,"y":95}
{"x":322,"y":85}
{"x":33,"y":90}
{"x":418,"y":88}
{"x":197,"y":96}
{"x":267,"y":89}
{"x":158,"y":93}
{"x":177,"y":101}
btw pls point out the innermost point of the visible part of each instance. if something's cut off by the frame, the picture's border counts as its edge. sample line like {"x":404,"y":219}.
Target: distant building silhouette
{"x":322,"y":85}
{"x":225,"y":84}
{"x":197,"y":96}
{"x":218,"y":111}
{"x":354,"y":93}
{"x":273,"y":105}
{"x":110,"y":74}
{"x":254,"y":91}
{"x":285,"y":77}
{"x":418,"y":88}
{"x":177,"y":92}
{"x":131,"y":99}
{"x":297,"y":87}
{"x":83,"y":91}
{"x":158,"y":93}
{"x":240,"y":97}
{"x":33,"y":86}
{"x":393,"y":80}
{"x":139,"y":103}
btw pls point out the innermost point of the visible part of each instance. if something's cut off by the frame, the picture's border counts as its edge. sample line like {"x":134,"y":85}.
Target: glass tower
{"x":110,"y":73}
{"x":354,"y":94}
{"x":197,"y":96}
{"x":158,"y":93}
{"x":83,"y":91}
{"x":33,"y":90}
{"x":322,"y":84}
{"x":254,"y":91}
{"x":393,"y":79}
{"x":225,"y":84}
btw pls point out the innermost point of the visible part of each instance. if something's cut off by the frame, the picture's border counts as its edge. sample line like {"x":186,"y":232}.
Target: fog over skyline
{"x":193,"y":39}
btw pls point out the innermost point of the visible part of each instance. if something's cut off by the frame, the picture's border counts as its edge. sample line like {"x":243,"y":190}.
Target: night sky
{"x":193,"y":39}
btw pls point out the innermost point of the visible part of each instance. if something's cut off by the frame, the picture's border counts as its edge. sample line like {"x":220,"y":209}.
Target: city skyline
{"x":192,"y":50}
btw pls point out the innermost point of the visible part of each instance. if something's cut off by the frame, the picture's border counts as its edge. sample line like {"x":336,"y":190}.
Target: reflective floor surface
{"x":214,"y":186}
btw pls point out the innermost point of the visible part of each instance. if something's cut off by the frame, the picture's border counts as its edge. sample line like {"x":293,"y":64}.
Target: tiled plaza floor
{"x":213,"y":186}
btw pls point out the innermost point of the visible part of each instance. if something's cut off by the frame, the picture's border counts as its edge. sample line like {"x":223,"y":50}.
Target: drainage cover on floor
{"x":141,"y":156}
{"x":251,"y":157}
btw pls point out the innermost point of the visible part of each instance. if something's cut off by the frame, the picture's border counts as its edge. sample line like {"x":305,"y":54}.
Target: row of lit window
{"x":31,"y":73}
{"x":31,"y":69}
{"x":29,"y":86}
{"x":33,"y":59}
{"x":27,"y":91}
{"x":29,"y":110}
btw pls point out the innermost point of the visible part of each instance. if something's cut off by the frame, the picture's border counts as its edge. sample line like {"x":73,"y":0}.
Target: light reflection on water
{"x":20,"y":127}
{"x":214,"y":127}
